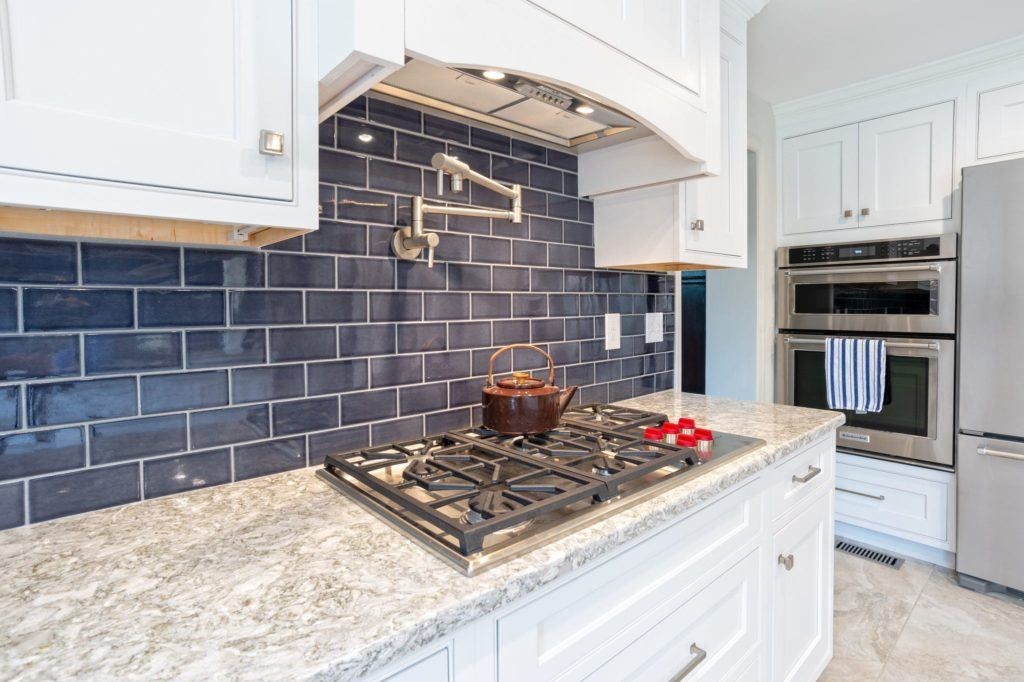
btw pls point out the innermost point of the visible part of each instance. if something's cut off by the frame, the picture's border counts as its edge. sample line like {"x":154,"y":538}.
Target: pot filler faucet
{"x":408,"y":242}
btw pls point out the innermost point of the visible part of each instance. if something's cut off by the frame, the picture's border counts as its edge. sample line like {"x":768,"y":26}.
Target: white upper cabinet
{"x":189,"y":109}
{"x":884,"y":171}
{"x":1001,"y":121}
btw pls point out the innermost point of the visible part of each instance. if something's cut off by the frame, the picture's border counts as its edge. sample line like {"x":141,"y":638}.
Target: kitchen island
{"x":282,"y":577}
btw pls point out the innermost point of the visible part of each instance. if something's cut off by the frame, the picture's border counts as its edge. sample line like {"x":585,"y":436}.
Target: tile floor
{"x":916,"y":623}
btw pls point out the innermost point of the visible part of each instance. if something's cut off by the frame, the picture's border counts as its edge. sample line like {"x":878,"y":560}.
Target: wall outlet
{"x":612,"y":331}
{"x":654,"y":327}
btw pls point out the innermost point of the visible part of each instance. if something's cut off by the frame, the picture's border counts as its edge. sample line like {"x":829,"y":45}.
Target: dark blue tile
{"x":535,"y":202}
{"x":511,"y":331}
{"x":337,"y":441}
{"x":439,"y":366}
{"x":368,"y":406}
{"x":419,"y":338}
{"x":366,"y":273}
{"x":620,"y":303}
{"x":395,"y":115}
{"x":529,"y":151}
{"x":579,"y":375}
{"x":506,"y":228}
{"x":482,"y":196}
{"x":445,"y":128}
{"x":229,"y":425}
{"x":633,"y":283}
{"x":137,"y":438}
{"x":571,"y":184}
{"x":36,"y":357}
{"x":207,"y":267}
{"x":326,"y":133}
{"x":346,"y":238}
{"x":482,"y":362}
{"x":492,"y":305}
{"x":12,"y":505}
{"x":529,"y":253}
{"x":299,"y":416}
{"x":255,"y":384}
{"x":447,"y":306}
{"x":142,"y":265}
{"x":490,"y":250}
{"x":416,"y":275}
{"x":10,"y":408}
{"x":594,"y":394}
{"x":527,"y":359}
{"x":563,"y":354}
{"x":339,"y":376}
{"x":586,"y":257}
{"x":467,"y":277}
{"x":302,"y":343}
{"x":607,"y":282}
{"x":356,"y":108}
{"x":395,"y":306}
{"x":448,"y":421}
{"x":510,"y":170}
{"x":465,"y":392}
{"x":181,"y":308}
{"x":31,"y":261}
{"x":511,"y":279}
{"x":224,"y":348}
{"x":469,"y":335}
{"x":326,"y":201}
{"x":170,"y":475}
{"x":530,"y":305}
{"x":546,"y":280}
{"x":335,"y":306}
{"x":79,"y":401}
{"x":186,"y":391}
{"x":8,"y":310}
{"x":364,"y":138}
{"x":545,"y":229}
{"x":547,"y":330}
{"x":620,"y":390}
{"x":364,"y":207}
{"x":587,"y":211}
{"x":397,"y":430}
{"x":579,"y":280}
{"x":386,"y":176}
{"x":478,"y":160}
{"x":609,"y":370}
{"x":423,"y":398}
{"x":563,"y":305}
{"x":494,"y":142}
{"x":415,"y":149}
{"x":579,"y":233}
{"x":291,"y":245}
{"x":310,"y":272}
{"x":471,"y":224}
{"x":563,"y":160}
{"x":563,"y":256}
{"x":579,"y":328}
{"x":342,"y":169}
{"x":82,"y":491}
{"x":266,"y":307}
{"x":119,"y":353}
{"x":548,"y":179}
{"x":373,"y":339}
{"x":395,"y":370}
{"x":49,"y":309}
{"x":270,"y":457}
{"x":561,"y":206}
{"x":41,"y":452}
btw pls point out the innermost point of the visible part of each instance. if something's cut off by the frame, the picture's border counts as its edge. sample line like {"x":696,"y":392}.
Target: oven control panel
{"x":896,"y":249}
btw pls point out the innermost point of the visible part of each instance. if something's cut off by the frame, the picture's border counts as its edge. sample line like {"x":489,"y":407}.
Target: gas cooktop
{"x":477,"y":498}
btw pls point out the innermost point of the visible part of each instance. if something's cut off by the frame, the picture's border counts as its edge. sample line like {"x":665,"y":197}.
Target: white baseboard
{"x":905,"y":548}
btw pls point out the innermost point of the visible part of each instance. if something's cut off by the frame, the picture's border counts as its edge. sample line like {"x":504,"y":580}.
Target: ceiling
{"x":803,"y":47}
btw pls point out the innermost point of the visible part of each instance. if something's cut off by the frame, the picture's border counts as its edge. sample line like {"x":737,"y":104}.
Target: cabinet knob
{"x":865,"y":211}
{"x":787,"y":560}
{"x":697,"y":225}
{"x":271,"y":143}
{"x":848,"y":213}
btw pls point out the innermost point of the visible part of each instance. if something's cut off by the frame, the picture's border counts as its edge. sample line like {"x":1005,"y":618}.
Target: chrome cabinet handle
{"x":697,"y":225}
{"x":812,"y":471}
{"x":983,"y":450}
{"x":880,"y":498}
{"x":848,"y":213}
{"x":787,"y":560}
{"x":865,"y":211}
{"x":698,"y":657}
{"x":271,"y":143}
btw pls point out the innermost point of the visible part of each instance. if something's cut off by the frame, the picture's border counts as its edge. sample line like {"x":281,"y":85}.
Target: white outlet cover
{"x":612,"y":331}
{"x":654,"y":328}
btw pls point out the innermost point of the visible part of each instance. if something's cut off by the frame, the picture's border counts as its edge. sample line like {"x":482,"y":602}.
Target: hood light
{"x":365,"y":137}
{"x":494,"y":75}
{"x":584,"y":109}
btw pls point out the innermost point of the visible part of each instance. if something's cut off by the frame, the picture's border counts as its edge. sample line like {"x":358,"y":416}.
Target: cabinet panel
{"x":819,"y":181}
{"x":906,"y":167}
{"x":431,"y":668}
{"x":1001,"y":121}
{"x":169,"y":94}
{"x":802,"y":613}
{"x":801,"y":477}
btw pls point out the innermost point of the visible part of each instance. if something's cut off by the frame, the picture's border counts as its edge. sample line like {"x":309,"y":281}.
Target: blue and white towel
{"x":855,"y":374}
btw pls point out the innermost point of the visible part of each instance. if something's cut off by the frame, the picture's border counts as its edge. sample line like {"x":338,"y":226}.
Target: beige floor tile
{"x":844,"y":669}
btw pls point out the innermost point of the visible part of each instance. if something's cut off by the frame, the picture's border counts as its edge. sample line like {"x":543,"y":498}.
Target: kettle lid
{"x":520,"y":380}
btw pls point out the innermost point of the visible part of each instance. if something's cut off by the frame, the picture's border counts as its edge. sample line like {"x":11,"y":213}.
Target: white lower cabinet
{"x":433,"y":667}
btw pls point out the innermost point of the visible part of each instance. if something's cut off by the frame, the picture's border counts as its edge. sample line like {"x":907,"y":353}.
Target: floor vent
{"x":869,"y":553}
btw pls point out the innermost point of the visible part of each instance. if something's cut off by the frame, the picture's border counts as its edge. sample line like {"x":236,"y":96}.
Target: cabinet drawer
{"x":573,"y":629}
{"x":901,"y":500}
{"x":800,"y":476}
{"x":433,"y":667}
{"x":704,"y":639}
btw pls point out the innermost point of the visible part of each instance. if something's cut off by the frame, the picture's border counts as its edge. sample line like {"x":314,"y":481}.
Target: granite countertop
{"x":282,"y":577}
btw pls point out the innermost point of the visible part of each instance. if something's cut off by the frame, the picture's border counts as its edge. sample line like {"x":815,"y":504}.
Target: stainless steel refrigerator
{"x":990,"y":442}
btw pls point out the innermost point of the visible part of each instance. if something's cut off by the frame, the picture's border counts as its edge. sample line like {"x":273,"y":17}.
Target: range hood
{"x":512,"y":102}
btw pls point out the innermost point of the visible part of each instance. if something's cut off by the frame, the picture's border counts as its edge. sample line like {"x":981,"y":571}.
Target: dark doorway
{"x":693,"y":330}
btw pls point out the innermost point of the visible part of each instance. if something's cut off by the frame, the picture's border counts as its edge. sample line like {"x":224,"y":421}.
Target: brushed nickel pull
{"x":812,"y":471}
{"x":787,"y":560}
{"x":697,"y":225}
{"x":698,"y":657}
{"x":983,"y":450}
{"x":271,"y":143}
{"x":880,"y":498}
{"x":848,"y":213}
{"x":865,"y":211}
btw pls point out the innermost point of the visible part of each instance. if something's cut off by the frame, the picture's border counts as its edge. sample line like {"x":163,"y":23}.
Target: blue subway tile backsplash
{"x":137,"y":371}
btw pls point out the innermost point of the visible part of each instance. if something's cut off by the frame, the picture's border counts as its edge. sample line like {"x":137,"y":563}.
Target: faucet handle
{"x":430,"y":256}
{"x":440,"y":182}
{"x":432,"y":241}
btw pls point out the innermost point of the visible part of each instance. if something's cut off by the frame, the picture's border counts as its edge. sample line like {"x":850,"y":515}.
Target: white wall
{"x":762,"y":141}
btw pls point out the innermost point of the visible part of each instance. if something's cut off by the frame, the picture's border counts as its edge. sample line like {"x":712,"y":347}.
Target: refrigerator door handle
{"x":983,"y":450}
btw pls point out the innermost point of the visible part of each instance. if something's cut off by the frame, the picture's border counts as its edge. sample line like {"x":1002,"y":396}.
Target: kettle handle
{"x":490,"y":365}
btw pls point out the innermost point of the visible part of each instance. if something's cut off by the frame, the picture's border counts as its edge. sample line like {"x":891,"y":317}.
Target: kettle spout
{"x":565,"y":397}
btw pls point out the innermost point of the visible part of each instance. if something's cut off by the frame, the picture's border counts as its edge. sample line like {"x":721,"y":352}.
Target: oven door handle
{"x":931,"y":345}
{"x":934,"y":267}
{"x":985,"y":450}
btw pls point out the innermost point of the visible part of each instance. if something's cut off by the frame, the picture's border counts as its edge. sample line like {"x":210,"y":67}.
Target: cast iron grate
{"x":869,"y":553}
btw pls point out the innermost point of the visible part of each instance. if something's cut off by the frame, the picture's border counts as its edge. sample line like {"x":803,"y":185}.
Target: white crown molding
{"x":956,"y":65}
{"x":746,"y":8}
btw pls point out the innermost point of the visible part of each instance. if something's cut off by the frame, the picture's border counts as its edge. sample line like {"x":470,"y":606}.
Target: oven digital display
{"x":857,"y":251}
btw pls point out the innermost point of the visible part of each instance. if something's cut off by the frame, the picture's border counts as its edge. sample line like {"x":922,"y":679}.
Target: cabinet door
{"x":906,"y":167}
{"x":168,"y":94}
{"x":669,"y":36}
{"x":802,"y":613}
{"x":1001,"y":121}
{"x":819,"y":181}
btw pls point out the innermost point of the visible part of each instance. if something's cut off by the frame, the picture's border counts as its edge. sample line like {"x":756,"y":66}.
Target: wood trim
{"x":665,"y":267}
{"x":59,"y":223}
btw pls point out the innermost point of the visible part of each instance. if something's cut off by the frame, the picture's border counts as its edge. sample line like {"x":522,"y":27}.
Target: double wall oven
{"x":901,"y":290}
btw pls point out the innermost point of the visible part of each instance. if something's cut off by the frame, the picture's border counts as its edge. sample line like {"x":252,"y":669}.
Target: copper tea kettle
{"x":521,"y":404}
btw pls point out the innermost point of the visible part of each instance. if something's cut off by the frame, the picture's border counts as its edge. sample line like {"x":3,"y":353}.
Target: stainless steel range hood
{"x":512,"y":102}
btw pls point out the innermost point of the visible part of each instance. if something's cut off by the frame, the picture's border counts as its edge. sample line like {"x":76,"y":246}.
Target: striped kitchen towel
{"x":855,"y":374}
